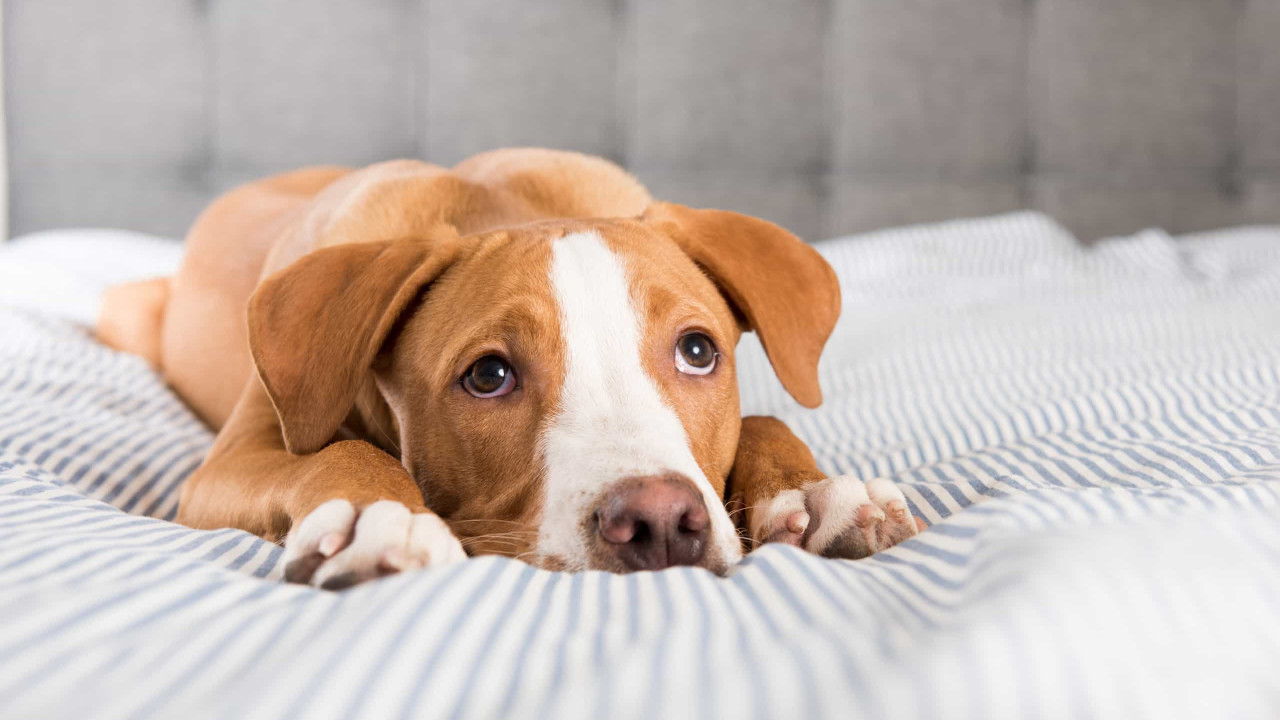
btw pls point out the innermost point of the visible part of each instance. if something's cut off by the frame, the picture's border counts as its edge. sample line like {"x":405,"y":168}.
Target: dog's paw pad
{"x":853,"y":520}
{"x":335,"y":546}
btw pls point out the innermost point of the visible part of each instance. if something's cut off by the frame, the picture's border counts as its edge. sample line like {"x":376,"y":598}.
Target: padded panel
{"x":297,"y":85}
{"x":791,"y":200}
{"x":1142,"y":84}
{"x":119,"y":82}
{"x":723,"y":84}
{"x":929,"y":84}
{"x":1260,"y":84}
{"x":827,"y":116}
{"x":1095,"y":208}
{"x":503,"y":73}
{"x":155,"y":200}
{"x":860,"y":204}
{"x":1262,"y":201}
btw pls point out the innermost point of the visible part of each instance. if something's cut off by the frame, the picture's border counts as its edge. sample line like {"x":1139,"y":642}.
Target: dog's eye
{"x":490,"y":376}
{"x":695,"y":354}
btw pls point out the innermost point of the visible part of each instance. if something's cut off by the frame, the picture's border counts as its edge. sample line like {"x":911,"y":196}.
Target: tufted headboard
{"x":827,"y":116}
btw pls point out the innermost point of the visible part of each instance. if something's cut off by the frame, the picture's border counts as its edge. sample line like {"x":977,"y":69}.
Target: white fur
{"x":381,"y":529}
{"x":838,"y":499}
{"x":882,"y":491}
{"x":775,"y":513}
{"x":611,"y":422}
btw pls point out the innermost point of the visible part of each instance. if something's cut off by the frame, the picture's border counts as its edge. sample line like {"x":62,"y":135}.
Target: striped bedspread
{"x":1093,"y":435}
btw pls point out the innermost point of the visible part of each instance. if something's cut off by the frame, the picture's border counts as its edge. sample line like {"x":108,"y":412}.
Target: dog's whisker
{"x":378,"y":426}
{"x":507,"y":539}
{"x":496,"y":544}
{"x":745,"y":536}
{"x":498,"y":548}
{"x":520,"y":534}
{"x":486,"y":538}
{"x":514,"y":535}
{"x":738,"y":511}
{"x":492,"y":521}
{"x":504,"y":550}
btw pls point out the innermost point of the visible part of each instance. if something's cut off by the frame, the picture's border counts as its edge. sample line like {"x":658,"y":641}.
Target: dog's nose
{"x":651,"y":523}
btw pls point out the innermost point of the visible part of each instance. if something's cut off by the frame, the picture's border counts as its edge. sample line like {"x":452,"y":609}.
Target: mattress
{"x":1091,"y":433}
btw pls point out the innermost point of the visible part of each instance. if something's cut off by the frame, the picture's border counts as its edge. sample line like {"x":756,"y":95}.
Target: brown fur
{"x":786,"y":292}
{"x":137,"y":330}
{"x":343,"y":382}
{"x":769,"y":459}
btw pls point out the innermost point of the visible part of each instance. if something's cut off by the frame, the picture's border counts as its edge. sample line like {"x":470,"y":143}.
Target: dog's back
{"x":192,"y":326}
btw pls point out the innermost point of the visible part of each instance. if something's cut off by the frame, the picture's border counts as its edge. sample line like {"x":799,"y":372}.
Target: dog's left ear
{"x":783,"y":288}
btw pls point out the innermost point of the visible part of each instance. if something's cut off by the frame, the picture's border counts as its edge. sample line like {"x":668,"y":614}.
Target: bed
{"x":1090,"y":426}
{"x":1091,"y":432}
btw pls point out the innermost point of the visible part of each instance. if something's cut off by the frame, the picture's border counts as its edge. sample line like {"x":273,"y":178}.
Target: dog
{"x":523,"y":355}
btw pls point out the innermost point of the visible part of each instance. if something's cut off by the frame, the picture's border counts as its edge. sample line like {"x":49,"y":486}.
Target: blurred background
{"x":827,"y":116}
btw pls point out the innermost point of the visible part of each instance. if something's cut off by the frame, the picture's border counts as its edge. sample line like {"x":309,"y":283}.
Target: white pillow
{"x":62,"y":273}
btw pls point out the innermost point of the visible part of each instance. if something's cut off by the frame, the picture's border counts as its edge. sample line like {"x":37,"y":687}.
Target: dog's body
{"x":525,"y":352}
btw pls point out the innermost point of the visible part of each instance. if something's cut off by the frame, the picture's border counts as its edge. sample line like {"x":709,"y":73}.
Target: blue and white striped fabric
{"x":1092,"y":434}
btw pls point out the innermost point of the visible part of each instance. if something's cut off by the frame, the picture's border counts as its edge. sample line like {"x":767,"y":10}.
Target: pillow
{"x":62,"y":273}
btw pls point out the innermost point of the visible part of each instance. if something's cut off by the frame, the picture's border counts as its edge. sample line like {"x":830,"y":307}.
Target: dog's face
{"x":555,"y":368}
{"x":565,"y":391}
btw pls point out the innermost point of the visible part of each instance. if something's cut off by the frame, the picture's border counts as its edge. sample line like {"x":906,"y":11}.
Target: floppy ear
{"x":316,"y":327}
{"x":788,"y":294}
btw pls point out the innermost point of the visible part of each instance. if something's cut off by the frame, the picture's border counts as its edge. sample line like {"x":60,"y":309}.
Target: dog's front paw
{"x":335,"y":547}
{"x":839,"y":517}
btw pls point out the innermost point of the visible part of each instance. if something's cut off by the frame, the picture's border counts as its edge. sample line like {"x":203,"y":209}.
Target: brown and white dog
{"x":524,"y":355}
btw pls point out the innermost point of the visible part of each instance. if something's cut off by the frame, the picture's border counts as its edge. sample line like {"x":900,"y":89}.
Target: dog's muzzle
{"x":650,"y":523}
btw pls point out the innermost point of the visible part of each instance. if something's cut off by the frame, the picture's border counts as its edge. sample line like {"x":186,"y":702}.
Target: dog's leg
{"x":347,"y":513}
{"x":131,"y":318}
{"x":782,"y":496}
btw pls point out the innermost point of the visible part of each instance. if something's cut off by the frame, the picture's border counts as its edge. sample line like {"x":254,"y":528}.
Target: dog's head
{"x":562,"y":391}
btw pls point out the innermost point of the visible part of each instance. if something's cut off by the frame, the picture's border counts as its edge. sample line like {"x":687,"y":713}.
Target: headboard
{"x":827,"y":116}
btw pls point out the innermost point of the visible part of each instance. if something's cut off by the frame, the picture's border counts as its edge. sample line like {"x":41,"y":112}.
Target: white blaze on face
{"x":612,"y":422}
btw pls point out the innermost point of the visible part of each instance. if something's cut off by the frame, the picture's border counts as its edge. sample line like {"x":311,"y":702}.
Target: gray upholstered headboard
{"x":828,"y":116}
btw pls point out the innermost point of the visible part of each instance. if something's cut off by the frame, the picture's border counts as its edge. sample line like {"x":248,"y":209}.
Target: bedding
{"x":62,"y":273}
{"x":1092,"y":434}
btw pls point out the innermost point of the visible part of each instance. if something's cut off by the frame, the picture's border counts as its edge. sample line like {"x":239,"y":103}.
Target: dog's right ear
{"x":315,"y":328}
